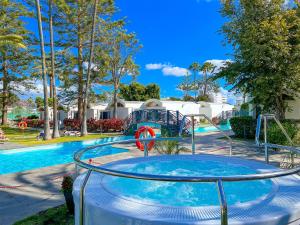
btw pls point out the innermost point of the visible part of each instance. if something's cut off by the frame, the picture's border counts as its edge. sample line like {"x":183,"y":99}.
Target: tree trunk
{"x":43,"y":57}
{"x":51,"y":77}
{"x":88,"y":76}
{"x":280,"y":109}
{"x":195,"y":89}
{"x":115,"y":102}
{"x":205,"y":84}
{"x":4,"y":92}
{"x":55,"y":133}
{"x":80,"y":67}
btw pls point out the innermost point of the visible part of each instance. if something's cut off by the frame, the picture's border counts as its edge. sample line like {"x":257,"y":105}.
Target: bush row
{"x":245,"y":127}
{"x":74,"y":124}
{"x":95,"y":125}
{"x":35,"y":123}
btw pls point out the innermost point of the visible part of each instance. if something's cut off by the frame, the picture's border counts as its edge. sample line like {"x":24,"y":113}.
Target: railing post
{"x":223,"y":203}
{"x":266,"y":140}
{"x":145,"y":149}
{"x":168,"y":117}
{"x":82,"y":190}
{"x":193,"y":135}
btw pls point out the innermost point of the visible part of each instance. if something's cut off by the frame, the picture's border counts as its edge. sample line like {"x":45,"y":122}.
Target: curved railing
{"x":215,"y":179}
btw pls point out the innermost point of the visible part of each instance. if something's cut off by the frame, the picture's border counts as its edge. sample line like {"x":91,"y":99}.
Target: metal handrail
{"x":192,"y":116}
{"x":100,"y":169}
{"x":216,"y":179}
{"x":265,"y":144}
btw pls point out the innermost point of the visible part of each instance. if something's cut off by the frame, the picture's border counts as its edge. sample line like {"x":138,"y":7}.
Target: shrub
{"x":67,"y":184}
{"x":276,"y":136}
{"x":31,"y":117}
{"x":243,"y":127}
{"x":95,"y":125}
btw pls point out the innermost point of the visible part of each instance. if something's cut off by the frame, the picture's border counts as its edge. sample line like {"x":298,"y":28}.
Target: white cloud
{"x":155,"y":66}
{"x":219,"y":63}
{"x":175,"y":71}
{"x":168,"y":69}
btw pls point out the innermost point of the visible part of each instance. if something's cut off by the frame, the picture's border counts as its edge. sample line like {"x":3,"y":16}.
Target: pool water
{"x":18,"y":160}
{"x":186,"y":194}
{"x":223,"y":127}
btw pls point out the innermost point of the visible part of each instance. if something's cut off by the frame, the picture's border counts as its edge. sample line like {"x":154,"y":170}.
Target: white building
{"x":105,"y":110}
{"x":219,"y":98}
{"x":294,"y":112}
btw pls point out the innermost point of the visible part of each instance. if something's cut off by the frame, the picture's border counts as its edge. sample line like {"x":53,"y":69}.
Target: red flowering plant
{"x":67,"y":184}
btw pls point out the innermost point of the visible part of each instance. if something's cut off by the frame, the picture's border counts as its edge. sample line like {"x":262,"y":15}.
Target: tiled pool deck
{"x":40,"y":189}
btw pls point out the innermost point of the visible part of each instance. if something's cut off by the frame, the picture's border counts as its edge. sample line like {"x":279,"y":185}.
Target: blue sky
{"x":174,"y":33}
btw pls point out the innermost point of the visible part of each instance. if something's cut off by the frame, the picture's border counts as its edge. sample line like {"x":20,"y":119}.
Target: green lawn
{"x":28,"y":137}
{"x":54,"y":216}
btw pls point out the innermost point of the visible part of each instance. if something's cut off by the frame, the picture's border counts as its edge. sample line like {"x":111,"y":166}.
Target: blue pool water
{"x":186,"y":194}
{"x":224,"y":127}
{"x":17,"y":160}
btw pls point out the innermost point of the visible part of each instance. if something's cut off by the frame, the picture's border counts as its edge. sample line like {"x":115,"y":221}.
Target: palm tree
{"x":206,"y":69}
{"x":43,"y":57}
{"x":88,"y":76}
{"x":55,"y":133}
{"x":195,"y":67}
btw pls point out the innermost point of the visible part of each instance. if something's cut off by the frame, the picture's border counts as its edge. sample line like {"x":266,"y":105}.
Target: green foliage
{"x":67,"y":184}
{"x":188,"y":98}
{"x":186,"y":85}
{"x":169,"y":147}
{"x":39,"y":102}
{"x":138,"y":92}
{"x":55,"y":216}
{"x":276,"y":136}
{"x":203,"y":98}
{"x":174,"y":99}
{"x":266,"y":40}
{"x":31,"y":117}
{"x":243,"y":127}
{"x":245,"y":106}
{"x":15,"y":57}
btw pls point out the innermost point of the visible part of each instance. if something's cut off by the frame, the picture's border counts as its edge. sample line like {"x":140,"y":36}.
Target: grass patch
{"x":28,"y":137}
{"x":55,"y":216}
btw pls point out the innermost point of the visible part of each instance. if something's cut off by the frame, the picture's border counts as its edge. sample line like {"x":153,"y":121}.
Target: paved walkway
{"x":9,"y":145}
{"x":40,"y":188}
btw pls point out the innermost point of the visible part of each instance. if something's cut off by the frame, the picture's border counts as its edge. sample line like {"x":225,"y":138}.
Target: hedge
{"x":245,"y":127}
{"x":74,"y":124}
{"x":95,"y":125}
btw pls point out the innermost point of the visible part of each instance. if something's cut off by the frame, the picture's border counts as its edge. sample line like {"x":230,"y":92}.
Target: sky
{"x":174,"y":34}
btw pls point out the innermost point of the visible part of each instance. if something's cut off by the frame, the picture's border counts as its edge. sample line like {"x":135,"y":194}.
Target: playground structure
{"x":168,"y":120}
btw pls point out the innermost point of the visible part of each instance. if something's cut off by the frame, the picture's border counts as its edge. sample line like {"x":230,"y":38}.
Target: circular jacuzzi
{"x":111,"y":200}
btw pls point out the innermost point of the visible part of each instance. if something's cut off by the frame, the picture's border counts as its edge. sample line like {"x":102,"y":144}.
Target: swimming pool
{"x":223,"y":127}
{"x":113,"y":200}
{"x":18,"y":160}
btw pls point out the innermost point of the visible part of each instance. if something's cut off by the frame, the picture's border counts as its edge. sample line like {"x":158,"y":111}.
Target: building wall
{"x":295,"y":112}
